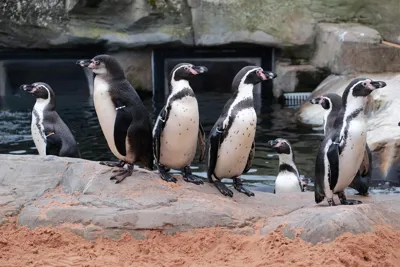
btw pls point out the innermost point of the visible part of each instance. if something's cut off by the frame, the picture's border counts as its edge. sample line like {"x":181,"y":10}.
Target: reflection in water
{"x":78,"y":113}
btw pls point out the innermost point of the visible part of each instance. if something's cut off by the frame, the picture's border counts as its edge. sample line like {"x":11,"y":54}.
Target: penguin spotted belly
{"x":286,"y":182}
{"x":352,"y":154}
{"x":37,"y":128}
{"x":180,"y":134}
{"x":234,"y":150}
{"x":106,"y":114}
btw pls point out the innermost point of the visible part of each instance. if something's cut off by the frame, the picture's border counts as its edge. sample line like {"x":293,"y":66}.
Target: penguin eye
{"x":364,"y":84}
{"x":97,"y":62}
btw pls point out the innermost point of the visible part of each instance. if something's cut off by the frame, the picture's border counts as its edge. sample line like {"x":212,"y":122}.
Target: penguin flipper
{"x":53,"y":143}
{"x":201,"y":142}
{"x":250,"y":158}
{"x":366,"y":164}
{"x":215,"y":141}
{"x":158,"y":128}
{"x":333,"y":158}
{"x":123,"y":120}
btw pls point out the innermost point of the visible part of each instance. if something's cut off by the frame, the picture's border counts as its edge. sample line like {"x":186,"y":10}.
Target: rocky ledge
{"x":47,"y":191}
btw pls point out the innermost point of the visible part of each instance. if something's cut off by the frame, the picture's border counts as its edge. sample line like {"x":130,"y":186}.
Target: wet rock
{"x":323,"y":224}
{"x":296,"y":78}
{"x":352,"y":48}
{"x":383,"y":130}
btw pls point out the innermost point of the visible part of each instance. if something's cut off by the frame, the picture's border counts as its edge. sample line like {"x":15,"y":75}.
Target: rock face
{"x":129,"y":24}
{"x":353,"y":48}
{"x":383,"y":131}
{"x":45,"y":191}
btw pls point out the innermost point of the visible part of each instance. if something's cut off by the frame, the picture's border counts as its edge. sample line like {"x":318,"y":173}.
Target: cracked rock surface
{"x":45,"y":191}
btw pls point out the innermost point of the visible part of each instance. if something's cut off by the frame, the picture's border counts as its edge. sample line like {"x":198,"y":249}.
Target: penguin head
{"x":251,"y":75}
{"x":185,"y":71}
{"x":281,"y":146}
{"x":103,"y":65}
{"x":327,"y":101}
{"x":39,"y":89}
{"x":362,"y":87}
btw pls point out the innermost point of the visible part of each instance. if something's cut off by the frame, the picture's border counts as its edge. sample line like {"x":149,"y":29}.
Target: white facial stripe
{"x":183,"y":66}
{"x":245,"y":76}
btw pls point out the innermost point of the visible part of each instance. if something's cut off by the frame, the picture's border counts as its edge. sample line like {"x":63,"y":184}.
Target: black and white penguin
{"x":332,"y":103}
{"x":123,"y":117}
{"x":177,"y":130}
{"x":231,"y":141}
{"x":342,"y":150}
{"x":49,"y":132}
{"x":288,"y":179}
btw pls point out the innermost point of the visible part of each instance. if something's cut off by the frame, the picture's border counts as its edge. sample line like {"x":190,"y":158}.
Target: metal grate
{"x":295,"y":99}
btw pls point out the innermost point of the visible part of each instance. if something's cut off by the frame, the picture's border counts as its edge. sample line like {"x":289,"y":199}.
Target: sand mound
{"x":20,"y":246}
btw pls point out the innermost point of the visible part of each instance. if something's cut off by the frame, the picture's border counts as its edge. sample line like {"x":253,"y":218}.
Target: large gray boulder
{"x":139,"y":23}
{"x":47,"y":191}
{"x":381,"y":110}
{"x":353,"y":48}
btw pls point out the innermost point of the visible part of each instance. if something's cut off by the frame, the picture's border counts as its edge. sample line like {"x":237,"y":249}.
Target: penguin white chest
{"x":234,"y":150}
{"x":106,"y":113}
{"x":287,"y":182}
{"x":352,"y":155}
{"x":37,"y":127}
{"x":180,"y":134}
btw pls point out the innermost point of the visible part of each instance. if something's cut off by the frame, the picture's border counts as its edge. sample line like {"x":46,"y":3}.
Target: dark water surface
{"x":78,"y":113}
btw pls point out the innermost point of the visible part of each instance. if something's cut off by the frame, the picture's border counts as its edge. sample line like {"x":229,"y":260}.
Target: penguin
{"x":49,"y":132}
{"x":231,"y":141}
{"x":122,"y":115}
{"x":343,"y":148}
{"x":178,"y":130}
{"x":332,"y":103}
{"x":288,"y":179}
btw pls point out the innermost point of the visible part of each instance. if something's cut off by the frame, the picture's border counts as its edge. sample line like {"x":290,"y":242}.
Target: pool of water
{"x":78,"y":113}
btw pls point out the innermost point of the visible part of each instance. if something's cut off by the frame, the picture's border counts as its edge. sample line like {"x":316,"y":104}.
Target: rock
{"x":324,"y":224}
{"x":140,"y":23}
{"x":352,"y":48}
{"x":137,"y":67}
{"x":383,"y":130}
{"x":53,"y":197}
{"x":296,"y":78}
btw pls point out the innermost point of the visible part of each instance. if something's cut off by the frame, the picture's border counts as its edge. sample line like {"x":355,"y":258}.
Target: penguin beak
{"x":28,"y":88}
{"x":84,"y":63}
{"x":316,"y":100}
{"x":376,"y":85}
{"x":266,"y":75}
{"x":198,"y":70}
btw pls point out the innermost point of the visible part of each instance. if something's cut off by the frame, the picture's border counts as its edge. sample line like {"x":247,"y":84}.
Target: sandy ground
{"x":20,"y":246}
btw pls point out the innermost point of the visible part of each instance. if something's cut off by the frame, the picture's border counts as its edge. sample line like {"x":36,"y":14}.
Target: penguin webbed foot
{"x":331,"y":202}
{"x":238,"y":185}
{"x":191,"y":178}
{"x":122,"y":173}
{"x":165,"y":175}
{"x":113,"y":163}
{"x":223,"y":189}
{"x":345,"y":201}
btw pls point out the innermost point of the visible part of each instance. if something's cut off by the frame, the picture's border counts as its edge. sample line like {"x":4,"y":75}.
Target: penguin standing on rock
{"x":177,"y":130}
{"x":231,"y":142}
{"x":288,"y":179}
{"x":49,"y":132}
{"x":332,"y":103}
{"x":123,"y":118}
{"x":343,"y":148}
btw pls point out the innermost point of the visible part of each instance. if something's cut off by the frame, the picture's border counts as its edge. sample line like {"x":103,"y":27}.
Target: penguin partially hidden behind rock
{"x":231,"y":141}
{"x":332,"y":103}
{"x":49,"y":132}
{"x":178,"y":130}
{"x":343,"y":148}
{"x":123,"y":117}
{"x":288,"y":179}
